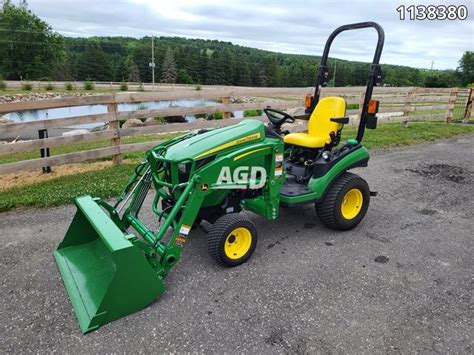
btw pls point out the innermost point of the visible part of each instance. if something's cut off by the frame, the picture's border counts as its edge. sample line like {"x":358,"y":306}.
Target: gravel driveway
{"x":402,"y":281}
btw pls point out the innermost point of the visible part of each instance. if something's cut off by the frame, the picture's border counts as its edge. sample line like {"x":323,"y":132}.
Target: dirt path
{"x":400,"y":282}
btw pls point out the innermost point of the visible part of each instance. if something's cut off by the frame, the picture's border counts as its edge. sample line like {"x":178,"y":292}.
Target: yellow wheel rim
{"x":352,"y":203}
{"x":238,"y":243}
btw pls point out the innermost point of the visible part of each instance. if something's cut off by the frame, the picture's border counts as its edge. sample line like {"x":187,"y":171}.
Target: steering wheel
{"x":278,"y":117}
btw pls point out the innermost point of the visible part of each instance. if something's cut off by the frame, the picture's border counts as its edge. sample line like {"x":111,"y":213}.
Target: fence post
{"x":115,"y":124}
{"x":451,"y":103}
{"x":226,"y":101}
{"x":407,"y":106}
{"x":44,"y":152}
{"x":468,"y":110}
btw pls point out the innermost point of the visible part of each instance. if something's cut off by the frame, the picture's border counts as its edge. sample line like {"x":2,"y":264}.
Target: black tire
{"x":220,"y":232}
{"x":329,"y":210}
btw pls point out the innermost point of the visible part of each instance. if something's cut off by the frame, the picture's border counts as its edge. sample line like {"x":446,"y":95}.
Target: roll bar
{"x":375,"y":74}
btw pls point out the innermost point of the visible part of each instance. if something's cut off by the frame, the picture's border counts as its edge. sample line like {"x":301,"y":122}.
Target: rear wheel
{"x":346,"y":202}
{"x":232,"y":239}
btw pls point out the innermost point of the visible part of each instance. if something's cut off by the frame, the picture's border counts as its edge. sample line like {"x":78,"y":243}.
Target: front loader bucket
{"x":105,"y":275}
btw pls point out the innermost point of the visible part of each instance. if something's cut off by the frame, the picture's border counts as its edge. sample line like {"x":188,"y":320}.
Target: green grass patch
{"x":11,"y":158}
{"x":101,"y":183}
{"x":352,"y":106}
{"x":393,"y":134}
{"x":27,"y":86}
{"x":253,"y":113}
{"x":110,"y":181}
{"x":89,"y":85}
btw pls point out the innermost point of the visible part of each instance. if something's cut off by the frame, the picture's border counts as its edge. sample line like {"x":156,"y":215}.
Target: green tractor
{"x":112,"y":264}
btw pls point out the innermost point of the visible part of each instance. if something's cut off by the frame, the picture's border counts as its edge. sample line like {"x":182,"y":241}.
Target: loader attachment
{"x":106,"y":276}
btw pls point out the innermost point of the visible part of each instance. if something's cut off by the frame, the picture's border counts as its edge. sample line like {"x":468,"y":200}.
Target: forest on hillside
{"x":31,"y":50}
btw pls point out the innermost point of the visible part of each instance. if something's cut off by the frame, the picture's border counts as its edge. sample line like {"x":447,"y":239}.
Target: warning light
{"x":308,"y":100}
{"x":373,"y":106}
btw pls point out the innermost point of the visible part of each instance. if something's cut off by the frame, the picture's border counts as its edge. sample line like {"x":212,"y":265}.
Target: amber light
{"x":373,"y":106}
{"x":307,"y":101}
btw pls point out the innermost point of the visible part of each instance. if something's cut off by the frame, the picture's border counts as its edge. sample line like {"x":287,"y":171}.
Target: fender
{"x":356,"y":158}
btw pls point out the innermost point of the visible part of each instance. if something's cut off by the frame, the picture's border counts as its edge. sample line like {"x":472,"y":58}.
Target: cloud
{"x":299,"y":26}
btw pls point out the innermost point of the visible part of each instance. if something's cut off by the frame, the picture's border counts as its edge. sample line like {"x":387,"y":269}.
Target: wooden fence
{"x":405,"y":105}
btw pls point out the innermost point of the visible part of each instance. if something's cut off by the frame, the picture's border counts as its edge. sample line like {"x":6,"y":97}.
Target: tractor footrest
{"x":294,"y":189}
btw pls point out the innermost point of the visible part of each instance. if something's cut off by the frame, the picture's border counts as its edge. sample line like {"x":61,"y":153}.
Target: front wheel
{"x":232,"y":239}
{"x":345,"y":203}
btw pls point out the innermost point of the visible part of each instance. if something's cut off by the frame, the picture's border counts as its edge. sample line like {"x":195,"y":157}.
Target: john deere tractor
{"x":112,"y":264}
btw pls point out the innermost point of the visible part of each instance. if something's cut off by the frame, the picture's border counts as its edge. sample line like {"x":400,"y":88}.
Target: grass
{"x":88,"y":146}
{"x":27,"y":86}
{"x":104,"y":183}
{"x":109,"y":181}
{"x":252,"y":113}
{"x":393,"y":134}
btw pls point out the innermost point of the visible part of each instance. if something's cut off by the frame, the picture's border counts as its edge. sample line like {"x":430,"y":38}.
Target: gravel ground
{"x":402,"y":281}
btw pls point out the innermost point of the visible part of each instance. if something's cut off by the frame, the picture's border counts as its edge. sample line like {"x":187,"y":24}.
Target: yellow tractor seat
{"x":305,"y":140}
{"x":320,"y":126}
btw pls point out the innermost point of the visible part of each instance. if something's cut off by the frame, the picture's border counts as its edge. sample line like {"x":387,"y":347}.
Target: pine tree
{"x":94,"y":64}
{"x":271,"y":69}
{"x":169,"y":73}
{"x":184,"y":77}
{"x":133,"y":73}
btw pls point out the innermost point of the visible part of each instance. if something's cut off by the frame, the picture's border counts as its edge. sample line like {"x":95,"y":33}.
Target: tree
{"x":271,"y":70}
{"x":440,"y":79}
{"x":184,"y":77}
{"x":94,"y":64}
{"x":242,"y":73}
{"x":141,"y":56}
{"x":214,"y":70}
{"x":435,"y":81}
{"x":29,"y":48}
{"x":133,"y":73}
{"x":168,"y":73}
{"x":466,"y":68}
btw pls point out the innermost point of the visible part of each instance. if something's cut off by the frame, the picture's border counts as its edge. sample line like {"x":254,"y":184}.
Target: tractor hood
{"x":247,"y":132}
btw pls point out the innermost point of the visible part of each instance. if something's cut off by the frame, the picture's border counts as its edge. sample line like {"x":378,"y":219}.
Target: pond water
{"x":63,"y":112}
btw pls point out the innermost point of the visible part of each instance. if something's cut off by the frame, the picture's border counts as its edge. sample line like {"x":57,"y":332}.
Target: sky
{"x":290,"y":26}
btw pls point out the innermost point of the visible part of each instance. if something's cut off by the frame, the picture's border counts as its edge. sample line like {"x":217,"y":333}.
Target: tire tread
{"x":214,"y":237}
{"x":325,"y":210}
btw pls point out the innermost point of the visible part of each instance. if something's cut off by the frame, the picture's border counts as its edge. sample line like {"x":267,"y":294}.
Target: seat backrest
{"x":330,"y":107}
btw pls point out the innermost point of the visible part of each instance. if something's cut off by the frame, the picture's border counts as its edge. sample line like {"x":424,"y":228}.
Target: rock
{"x":5,"y":121}
{"x":75,"y":132}
{"x":39,"y":96}
{"x":244,"y":99}
{"x":100,"y":128}
{"x":133,"y":122}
